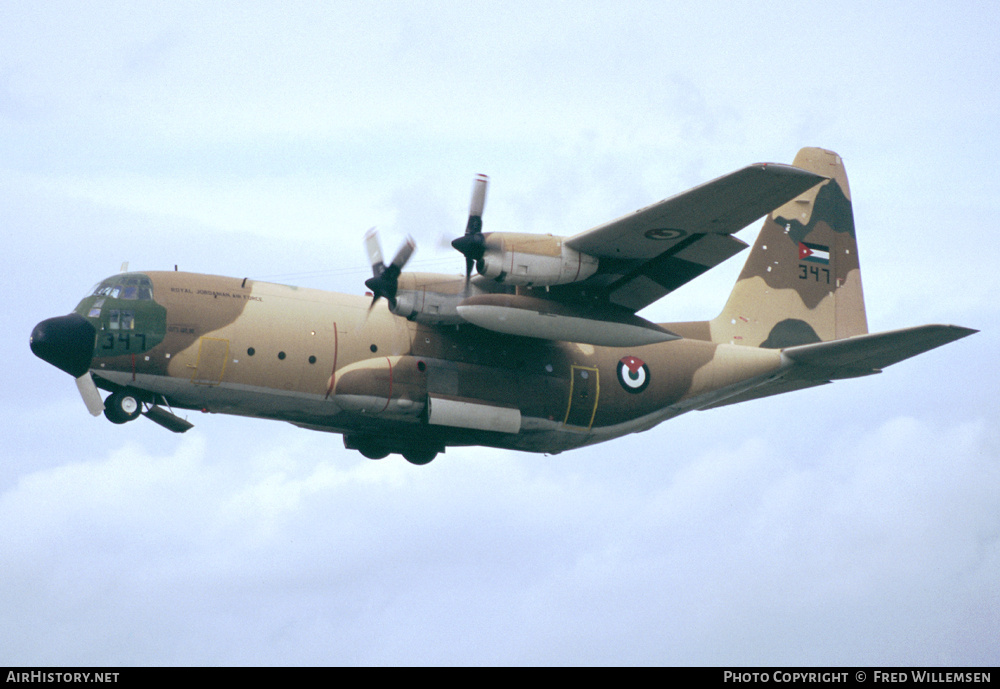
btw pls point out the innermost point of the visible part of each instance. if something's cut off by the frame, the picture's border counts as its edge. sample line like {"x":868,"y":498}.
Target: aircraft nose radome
{"x":66,"y":342}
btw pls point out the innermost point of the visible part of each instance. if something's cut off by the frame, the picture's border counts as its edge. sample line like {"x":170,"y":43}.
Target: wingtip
{"x":786,"y":170}
{"x":961,"y":331}
{"x":958,"y":330}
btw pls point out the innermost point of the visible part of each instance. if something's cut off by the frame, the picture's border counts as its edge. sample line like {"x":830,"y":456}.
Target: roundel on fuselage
{"x":633,"y":374}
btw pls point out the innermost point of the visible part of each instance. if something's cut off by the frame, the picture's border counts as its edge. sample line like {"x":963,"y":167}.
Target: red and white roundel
{"x":633,"y":374}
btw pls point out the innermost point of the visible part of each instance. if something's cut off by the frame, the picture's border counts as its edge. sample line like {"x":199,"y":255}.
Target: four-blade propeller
{"x":472,"y":244}
{"x":385,"y":278}
{"x":384,"y":282}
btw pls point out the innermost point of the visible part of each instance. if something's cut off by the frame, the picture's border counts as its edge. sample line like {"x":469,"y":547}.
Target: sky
{"x":853,"y":524}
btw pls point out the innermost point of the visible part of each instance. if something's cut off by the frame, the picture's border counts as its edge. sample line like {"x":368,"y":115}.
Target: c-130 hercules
{"x":540,"y":351}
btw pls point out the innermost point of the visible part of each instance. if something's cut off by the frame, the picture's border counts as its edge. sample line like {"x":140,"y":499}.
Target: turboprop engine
{"x":517,"y":259}
{"x":528,"y":260}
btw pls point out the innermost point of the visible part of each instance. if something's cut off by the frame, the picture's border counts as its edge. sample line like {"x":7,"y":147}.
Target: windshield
{"x":133,"y":287}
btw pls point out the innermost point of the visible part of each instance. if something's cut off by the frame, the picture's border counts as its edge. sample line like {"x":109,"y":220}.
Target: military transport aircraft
{"x":540,"y":350}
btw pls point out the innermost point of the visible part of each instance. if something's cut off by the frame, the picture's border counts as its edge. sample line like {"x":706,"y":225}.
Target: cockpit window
{"x":121,"y":320}
{"x":95,"y":308}
{"x":131,"y":287}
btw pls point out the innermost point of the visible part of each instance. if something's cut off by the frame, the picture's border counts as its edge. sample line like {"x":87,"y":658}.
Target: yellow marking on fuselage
{"x":213,"y":355}
{"x":597,"y":393}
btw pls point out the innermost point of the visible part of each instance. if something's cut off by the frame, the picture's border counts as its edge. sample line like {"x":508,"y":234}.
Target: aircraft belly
{"x":231,"y":398}
{"x":316,"y":413}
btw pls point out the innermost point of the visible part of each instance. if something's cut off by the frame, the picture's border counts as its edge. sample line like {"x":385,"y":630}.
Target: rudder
{"x":802,"y":280}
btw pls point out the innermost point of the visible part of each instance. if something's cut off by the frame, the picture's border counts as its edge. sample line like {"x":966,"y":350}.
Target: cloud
{"x":855,"y":524}
{"x":870,"y":551}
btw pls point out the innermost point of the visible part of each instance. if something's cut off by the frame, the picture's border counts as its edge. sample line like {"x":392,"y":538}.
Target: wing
{"x":653,"y":251}
{"x":530,"y":285}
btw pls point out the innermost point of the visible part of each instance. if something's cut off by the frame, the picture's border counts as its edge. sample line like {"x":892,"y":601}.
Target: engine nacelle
{"x":424,"y":306}
{"x":431,"y":298}
{"x":533,"y":260}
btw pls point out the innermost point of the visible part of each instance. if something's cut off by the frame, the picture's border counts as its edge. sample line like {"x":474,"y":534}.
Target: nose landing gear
{"x":122,"y":407}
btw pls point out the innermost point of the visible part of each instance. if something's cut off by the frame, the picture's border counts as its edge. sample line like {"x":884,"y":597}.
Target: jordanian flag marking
{"x":814,"y":253}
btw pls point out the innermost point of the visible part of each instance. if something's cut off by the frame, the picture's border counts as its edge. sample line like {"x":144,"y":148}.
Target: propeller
{"x":91,"y":396}
{"x":472,"y":244}
{"x":385,"y":278}
{"x":374,"y":248}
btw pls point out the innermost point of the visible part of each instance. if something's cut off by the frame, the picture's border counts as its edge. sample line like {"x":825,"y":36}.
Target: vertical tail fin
{"x":802,"y":280}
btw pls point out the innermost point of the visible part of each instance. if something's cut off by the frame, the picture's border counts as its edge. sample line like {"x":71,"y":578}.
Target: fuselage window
{"x":121,"y":320}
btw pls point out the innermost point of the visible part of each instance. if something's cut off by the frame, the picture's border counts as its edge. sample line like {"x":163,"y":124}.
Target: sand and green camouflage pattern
{"x":802,"y":281}
{"x":325,"y":361}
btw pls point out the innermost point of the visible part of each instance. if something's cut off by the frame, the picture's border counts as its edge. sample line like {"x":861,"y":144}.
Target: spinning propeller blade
{"x":385,"y":279}
{"x":374,"y":248}
{"x":91,"y":396}
{"x":472,"y":244}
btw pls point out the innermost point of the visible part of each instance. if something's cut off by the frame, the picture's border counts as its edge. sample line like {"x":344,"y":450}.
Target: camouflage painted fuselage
{"x":795,"y":319}
{"x":319,"y":360}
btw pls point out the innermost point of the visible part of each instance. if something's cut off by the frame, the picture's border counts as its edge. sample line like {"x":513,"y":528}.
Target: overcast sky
{"x":858,"y":523}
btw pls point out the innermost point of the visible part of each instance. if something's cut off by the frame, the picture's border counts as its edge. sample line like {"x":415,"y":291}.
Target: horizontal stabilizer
{"x":866,"y":354}
{"x":171,"y":422}
{"x":821,"y":362}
